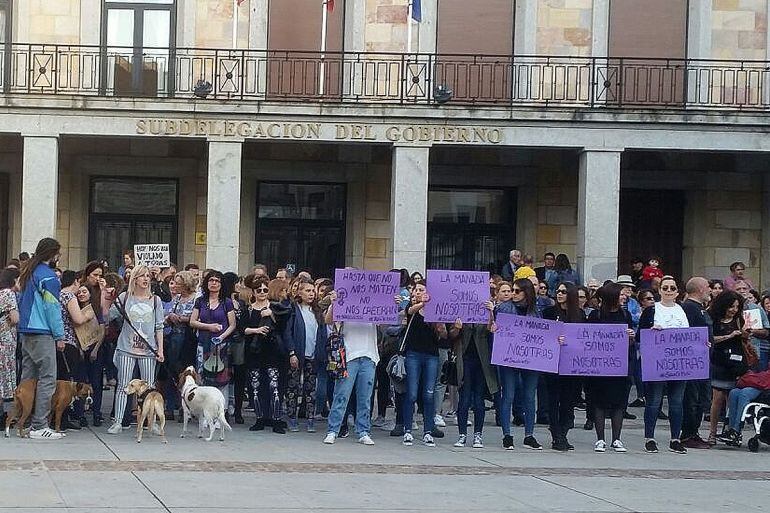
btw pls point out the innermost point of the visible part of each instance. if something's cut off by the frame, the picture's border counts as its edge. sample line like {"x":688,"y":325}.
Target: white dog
{"x":205,"y":403}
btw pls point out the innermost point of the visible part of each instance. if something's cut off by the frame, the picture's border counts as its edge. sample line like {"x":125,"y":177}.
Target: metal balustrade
{"x":385,"y":78}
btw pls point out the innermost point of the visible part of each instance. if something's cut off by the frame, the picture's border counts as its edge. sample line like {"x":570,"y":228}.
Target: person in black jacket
{"x":728,"y":361}
{"x":563,"y":391}
{"x":265,"y":354}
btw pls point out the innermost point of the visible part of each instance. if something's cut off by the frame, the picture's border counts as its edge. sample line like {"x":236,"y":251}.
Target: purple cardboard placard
{"x":594,"y":350}
{"x":674,"y":354}
{"x":457,"y":294}
{"x":526,"y":343}
{"x":366,"y":296}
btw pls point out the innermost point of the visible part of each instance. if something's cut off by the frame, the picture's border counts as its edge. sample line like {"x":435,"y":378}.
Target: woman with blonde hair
{"x":140,"y":342}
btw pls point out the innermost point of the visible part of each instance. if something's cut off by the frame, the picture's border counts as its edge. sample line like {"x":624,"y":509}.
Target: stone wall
{"x":214,"y":24}
{"x":739,"y":29}
{"x":564,"y":27}
{"x":378,"y":231}
{"x":47,"y":21}
{"x":386,"y":26}
{"x":557,"y":195}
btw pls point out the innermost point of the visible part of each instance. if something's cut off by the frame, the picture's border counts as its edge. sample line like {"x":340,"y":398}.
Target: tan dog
{"x":24,"y":400}
{"x":151,"y":406}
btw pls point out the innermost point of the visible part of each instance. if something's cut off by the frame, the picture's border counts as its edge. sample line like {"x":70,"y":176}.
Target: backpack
{"x":336,"y":360}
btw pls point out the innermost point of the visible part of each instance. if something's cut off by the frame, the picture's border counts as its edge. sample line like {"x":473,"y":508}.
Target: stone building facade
{"x":557,"y":138}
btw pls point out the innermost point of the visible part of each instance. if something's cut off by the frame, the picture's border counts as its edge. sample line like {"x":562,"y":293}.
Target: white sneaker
{"x":428,"y":441}
{"x":366,"y":439}
{"x":408,"y":439}
{"x":600,"y":446}
{"x":438,"y":420}
{"x":478,"y":441}
{"x":45,"y":433}
{"x":330,"y":438}
{"x":115,"y":429}
{"x":461,"y":441}
{"x":618,"y":446}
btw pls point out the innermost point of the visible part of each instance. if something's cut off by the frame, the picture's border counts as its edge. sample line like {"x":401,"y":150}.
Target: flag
{"x":416,"y":11}
{"x":330,"y":5}
{"x":240,"y":2}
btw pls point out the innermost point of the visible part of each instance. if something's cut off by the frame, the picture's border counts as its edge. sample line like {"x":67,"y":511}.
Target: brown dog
{"x":151,"y":406}
{"x":24,"y":400}
{"x":66,"y":392}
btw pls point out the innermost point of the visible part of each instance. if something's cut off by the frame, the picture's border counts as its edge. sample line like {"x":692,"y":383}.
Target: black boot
{"x":259,"y":425}
{"x":279,"y":427}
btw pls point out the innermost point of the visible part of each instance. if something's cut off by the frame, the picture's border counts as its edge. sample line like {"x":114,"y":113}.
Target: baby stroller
{"x":759,"y":413}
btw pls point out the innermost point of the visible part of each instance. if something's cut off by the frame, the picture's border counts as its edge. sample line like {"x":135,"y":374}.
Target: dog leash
{"x":120,"y":307}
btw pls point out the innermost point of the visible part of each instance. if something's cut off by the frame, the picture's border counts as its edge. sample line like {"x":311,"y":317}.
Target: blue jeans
{"x":653,"y":391}
{"x":94,"y":370}
{"x":471,"y":395}
{"x":737,"y":401}
{"x":518,"y":383}
{"x":421,"y":372}
{"x":361,"y":375}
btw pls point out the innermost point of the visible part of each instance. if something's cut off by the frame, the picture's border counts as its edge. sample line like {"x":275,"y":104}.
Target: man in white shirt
{"x":362,"y":357}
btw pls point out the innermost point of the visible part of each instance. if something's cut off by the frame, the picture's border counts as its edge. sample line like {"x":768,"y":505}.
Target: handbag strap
{"x":122,"y":311}
{"x":406,"y":333}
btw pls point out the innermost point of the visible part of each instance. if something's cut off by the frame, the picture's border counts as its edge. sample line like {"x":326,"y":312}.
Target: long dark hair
{"x":46,"y":249}
{"x":8,"y":278}
{"x":572,"y":306}
{"x":562,"y":263}
{"x":94,"y":290}
{"x":609,"y":295}
{"x":529,"y":294}
{"x":720,"y":304}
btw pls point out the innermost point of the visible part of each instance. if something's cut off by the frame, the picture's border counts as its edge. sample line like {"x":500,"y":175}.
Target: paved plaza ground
{"x":91,"y":471}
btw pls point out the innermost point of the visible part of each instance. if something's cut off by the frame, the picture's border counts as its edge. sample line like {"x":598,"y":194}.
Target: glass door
{"x":128,"y":211}
{"x":301,"y":224}
{"x":138,"y":47}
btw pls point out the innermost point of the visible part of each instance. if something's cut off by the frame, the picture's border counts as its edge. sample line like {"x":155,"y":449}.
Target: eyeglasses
{"x":669,"y":288}
{"x":562,"y":291}
{"x":517,"y":291}
{"x":542,"y":287}
{"x":261,"y":290}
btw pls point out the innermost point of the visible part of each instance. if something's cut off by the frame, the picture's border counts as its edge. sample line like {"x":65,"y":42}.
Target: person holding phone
{"x":421,"y":343}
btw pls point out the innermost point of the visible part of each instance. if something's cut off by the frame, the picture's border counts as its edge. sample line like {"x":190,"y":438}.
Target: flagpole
{"x":322,"y":70}
{"x":409,"y":14}
{"x":235,"y":24}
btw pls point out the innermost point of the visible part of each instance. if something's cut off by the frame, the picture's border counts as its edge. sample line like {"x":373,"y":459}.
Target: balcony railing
{"x":386,"y":78}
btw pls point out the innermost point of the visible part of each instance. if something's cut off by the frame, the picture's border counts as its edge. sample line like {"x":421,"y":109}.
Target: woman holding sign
{"x":563,"y":391}
{"x":421,"y":341}
{"x":523,"y":302}
{"x":607,"y":394}
{"x":664,"y":314}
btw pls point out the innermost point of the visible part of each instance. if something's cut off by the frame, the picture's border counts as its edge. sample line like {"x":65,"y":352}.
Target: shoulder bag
{"x":396,"y":367}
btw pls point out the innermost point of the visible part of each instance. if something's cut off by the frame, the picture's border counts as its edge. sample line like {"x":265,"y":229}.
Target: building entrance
{"x":128,"y":211}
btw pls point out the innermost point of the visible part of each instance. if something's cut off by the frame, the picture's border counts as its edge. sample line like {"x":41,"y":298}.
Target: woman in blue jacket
{"x":305,"y":339}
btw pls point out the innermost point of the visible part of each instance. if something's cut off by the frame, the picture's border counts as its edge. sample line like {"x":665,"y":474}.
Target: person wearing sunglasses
{"x":563,"y":391}
{"x":607,"y":395}
{"x":666,"y":313}
{"x":523,"y":302}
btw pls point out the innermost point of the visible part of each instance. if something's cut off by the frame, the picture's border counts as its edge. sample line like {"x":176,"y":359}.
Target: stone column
{"x":39,"y":189}
{"x":223,"y":212}
{"x":409,"y":206}
{"x":598,"y":214}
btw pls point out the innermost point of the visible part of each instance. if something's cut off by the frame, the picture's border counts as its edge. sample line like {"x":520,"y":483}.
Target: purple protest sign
{"x":674,"y":354}
{"x":594,"y":350}
{"x":366,"y":296}
{"x":457,"y":294}
{"x":526,"y":343}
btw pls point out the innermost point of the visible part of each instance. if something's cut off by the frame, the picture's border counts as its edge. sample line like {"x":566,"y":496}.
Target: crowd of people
{"x":269,"y":342}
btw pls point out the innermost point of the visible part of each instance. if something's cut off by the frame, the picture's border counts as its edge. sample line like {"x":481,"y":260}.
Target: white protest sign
{"x":152,"y":255}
